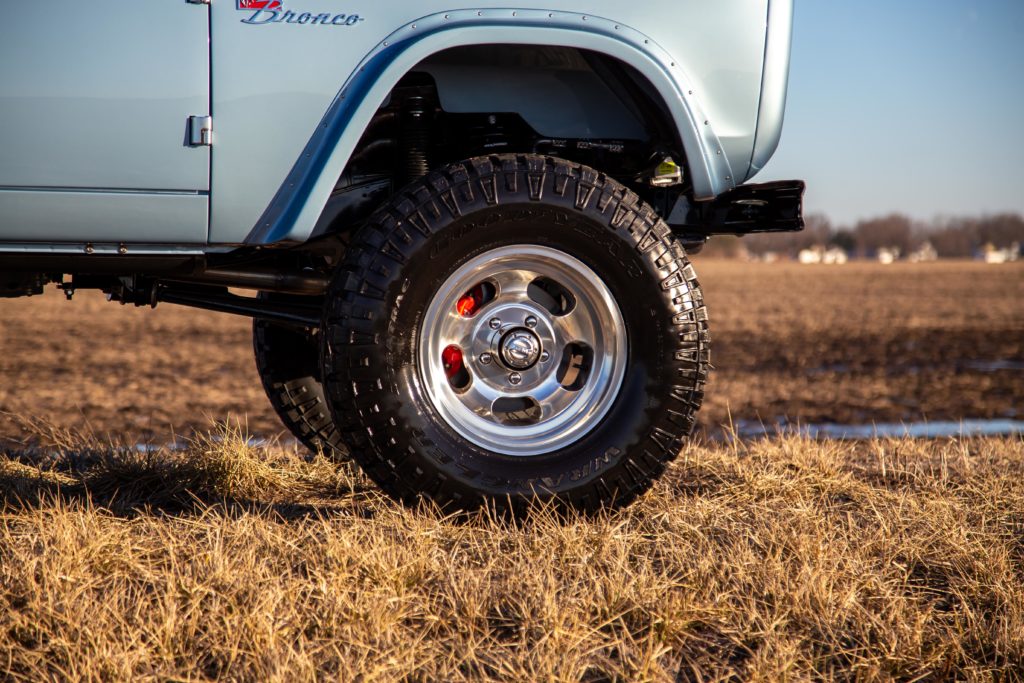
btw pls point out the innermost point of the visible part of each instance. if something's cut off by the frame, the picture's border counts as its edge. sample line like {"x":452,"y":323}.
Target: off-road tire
{"x":398,"y":260}
{"x":288,"y":362}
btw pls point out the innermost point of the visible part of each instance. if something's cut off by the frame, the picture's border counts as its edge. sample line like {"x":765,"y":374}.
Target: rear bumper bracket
{"x":747,"y":209}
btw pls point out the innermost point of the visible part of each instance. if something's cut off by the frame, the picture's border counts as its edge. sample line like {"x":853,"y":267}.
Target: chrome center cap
{"x":520,"y":349}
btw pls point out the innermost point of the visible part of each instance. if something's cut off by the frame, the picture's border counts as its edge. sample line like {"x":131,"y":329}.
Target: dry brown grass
{"x":776,"y":559}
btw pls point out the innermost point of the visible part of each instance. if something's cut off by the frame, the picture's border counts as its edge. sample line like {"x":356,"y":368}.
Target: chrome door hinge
{"x":200,"y":131}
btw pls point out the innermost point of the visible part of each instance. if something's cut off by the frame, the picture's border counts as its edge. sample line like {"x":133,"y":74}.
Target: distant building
{"x":834,"y":256}
{"x":820,"y":254}
{"x":809,"y":256}
{"x":926,"y":252}
{"x":993,"y":255}
{"x":887,"y":255}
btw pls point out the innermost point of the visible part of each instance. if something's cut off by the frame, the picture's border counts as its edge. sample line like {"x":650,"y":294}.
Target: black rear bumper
{"x":747,"y":209}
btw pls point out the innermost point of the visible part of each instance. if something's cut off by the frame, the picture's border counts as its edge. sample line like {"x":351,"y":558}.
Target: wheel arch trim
{"x":293,"y":212}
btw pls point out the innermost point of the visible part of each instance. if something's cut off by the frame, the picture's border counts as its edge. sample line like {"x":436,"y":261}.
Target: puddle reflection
{"x":919,"y":430}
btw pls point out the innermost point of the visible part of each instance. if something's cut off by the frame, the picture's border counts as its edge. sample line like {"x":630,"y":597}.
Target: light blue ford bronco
{"x":461,"y":229}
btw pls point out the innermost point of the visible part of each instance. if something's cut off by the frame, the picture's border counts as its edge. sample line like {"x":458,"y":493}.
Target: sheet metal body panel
{"x":106,"y":216}
{"x":274,"y":81}
{"x":95,"y":97}
{"x":94,"y":100}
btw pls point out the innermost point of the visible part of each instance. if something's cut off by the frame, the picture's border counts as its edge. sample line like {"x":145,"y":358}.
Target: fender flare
{"x":293,"y":212}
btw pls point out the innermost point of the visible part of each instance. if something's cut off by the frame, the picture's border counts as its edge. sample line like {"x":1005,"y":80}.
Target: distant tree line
{"x":951,"y":237}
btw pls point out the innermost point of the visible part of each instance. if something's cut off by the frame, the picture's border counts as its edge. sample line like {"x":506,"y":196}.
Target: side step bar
{"x":747,"y":209}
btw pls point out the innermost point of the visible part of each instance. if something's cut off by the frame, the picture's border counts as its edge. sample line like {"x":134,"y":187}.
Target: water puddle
{"x":147,"y":448}
{"x":749,"y":429}
{"x":994,"y":365}
{"x":998,"y":365}
{"x":916,"y":430}
{"x":832,"y":368}
{"x":252,"y":441}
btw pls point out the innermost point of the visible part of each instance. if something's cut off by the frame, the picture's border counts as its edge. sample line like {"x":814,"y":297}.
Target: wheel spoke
{"x":480,"y":398}
{"x":552,"y":397}
{"x":512,"y":284}
{"x":576,"y":326}
{"x":454,"y":329}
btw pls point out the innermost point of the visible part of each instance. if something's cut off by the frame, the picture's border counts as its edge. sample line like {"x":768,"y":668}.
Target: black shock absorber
{"x":416,"y":121}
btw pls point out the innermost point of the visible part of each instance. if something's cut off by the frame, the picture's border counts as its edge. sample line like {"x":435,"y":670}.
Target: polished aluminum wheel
{"x":523,"y":350}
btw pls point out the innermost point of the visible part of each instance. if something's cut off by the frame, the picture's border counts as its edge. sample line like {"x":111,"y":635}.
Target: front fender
{"x":294,"y":210}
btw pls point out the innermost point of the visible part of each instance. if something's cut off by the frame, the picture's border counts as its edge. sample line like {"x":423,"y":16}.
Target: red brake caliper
{"x":470,"y":302}
{"x":452,"y":359}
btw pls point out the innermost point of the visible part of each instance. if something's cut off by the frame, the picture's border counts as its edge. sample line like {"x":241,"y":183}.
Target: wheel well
{"x":579,"y":105}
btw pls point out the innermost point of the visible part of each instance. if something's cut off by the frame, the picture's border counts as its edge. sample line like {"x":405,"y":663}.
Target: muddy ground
{"x":849,"y":344}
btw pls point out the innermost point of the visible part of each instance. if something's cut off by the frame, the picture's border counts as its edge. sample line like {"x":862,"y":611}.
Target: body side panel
{"x":704,"y":56}
{"x":103,"y":216}
{"x":298,"y":203}
{"x":97,"y":97}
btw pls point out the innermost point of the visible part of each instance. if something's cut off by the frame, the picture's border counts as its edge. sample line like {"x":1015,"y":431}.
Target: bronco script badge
{"x":273,"y":12}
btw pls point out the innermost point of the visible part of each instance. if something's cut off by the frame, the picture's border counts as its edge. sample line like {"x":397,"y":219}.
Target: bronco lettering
{"x":271,"y":16}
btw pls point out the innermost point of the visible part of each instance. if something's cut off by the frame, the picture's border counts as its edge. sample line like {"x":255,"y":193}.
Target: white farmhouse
{"x":926,"y":252}
{"x":888,"y":255}
{"x":1008,"y":255}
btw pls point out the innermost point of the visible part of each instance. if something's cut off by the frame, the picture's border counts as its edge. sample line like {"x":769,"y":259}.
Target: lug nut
{"x":495,"y":323}
{"x":515,"y":378}
{"x":486,"y":358}
{"x":544,"y":356}
{"x":531,"y":321}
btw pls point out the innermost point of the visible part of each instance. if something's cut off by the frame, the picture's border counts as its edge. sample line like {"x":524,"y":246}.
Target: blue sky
{"x":914,"y":106}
